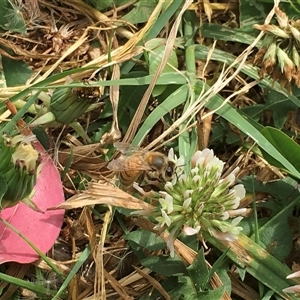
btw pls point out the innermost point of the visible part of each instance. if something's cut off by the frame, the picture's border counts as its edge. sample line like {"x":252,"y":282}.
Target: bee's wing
{"x":127,"y":149}
{"x":120,"y":165}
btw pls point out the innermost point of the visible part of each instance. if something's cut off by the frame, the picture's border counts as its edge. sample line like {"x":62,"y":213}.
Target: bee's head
{"x":170,"y":170}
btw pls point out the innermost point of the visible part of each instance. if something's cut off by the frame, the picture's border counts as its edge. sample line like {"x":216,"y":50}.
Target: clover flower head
{"x":200,"y":200}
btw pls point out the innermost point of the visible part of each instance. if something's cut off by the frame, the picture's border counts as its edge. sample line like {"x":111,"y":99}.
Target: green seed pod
{"x":67,"y":105}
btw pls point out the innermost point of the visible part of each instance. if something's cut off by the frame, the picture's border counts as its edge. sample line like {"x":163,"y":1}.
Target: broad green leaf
{"x":278,"y":189}
{"x":274,"y":231}
{"x":105,"y":4}
{"x":276,"y":234}
{"x":198,"y":272}
{"x":141,"y":12}
{"x":102,"y":4}
{"x":253,"y":12}
{"x":160,"y":23}
{"x":223,"y":33}
{"x":215,"y":294}
{"x":287,"y":147}
{"x":169,"y":284}
{"x":280,"y":106}
{"x":130,"y":98}
{"x":164,"y":265}
{"x":233,"y":116}
{"x":11,"y":17}
{"x":16,"y":72}
{"x":146,"y":239}
{"x":187,"y":290}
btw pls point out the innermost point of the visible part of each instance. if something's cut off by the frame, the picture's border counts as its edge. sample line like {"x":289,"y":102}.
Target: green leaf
{"x":198,"y":272}
{"x":141,"y":12}
{"x":163,"y":265}
{"x":130,"y":98}
{"x":170,"y":285}
{"x":276,"y":234}
{"x":160,"y":23}
{"x":223,"y":33}
{"x":288,"y":148}
{"x":72,"y":273}
{"x":103,"y":4}
{"x":246,"y":125}
{"x":11,"y":17}
{"x":280,"y":106}
{"x":164,"y":79}
{"x":146,"y":239}
{"x":174,"y":100}
{"x":155,"y":57}
{"x":35,"y":288}
{"x":187,"y":290}
{"x":211,"y":294}
{"x":3,"y":187}
{"x":16,"y":72}
{"x":257,"y":262}
{"x":253,"y":12}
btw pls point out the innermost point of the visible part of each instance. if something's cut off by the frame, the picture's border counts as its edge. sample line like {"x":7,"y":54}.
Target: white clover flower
{"x":187,"y":194}
{"x":223,"y":236}
{"x":215,"y":163}
{"x":225,"y":215}
{"x":195,"y":171}
{"x":179,"y":162}
{"x":191,"y":231}
{"x":196,"y":179}
{"x":239,"y":191}
{"x":182,"y":178}
{"x":170,"y":241}
{"x":186,"y":204}
{"x":167,"y":203}
{"x":236,"y":212}
{"x":164,"y":219}
{"x":169,"y":186}
{"x":230,"y":179}
{"x":200,"y":200}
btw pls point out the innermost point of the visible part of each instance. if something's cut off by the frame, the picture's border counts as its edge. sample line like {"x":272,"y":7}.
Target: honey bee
{"x":141,"y":164}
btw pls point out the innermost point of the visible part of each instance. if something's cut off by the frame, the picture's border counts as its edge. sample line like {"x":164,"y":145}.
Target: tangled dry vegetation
{"x":71,"y":34}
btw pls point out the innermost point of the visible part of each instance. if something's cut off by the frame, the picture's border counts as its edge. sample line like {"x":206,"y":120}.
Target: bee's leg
{"x":145,"y":191}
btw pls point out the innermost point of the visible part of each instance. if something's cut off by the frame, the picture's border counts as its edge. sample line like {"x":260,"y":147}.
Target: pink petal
{"x":41,"y":229}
